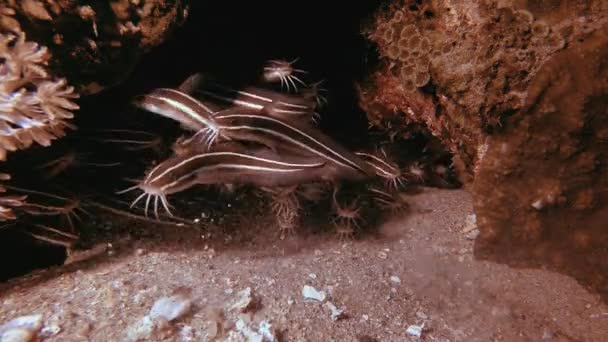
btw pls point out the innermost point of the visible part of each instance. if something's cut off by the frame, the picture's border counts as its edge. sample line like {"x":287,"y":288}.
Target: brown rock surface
{"x":516,"y":90}
{"x":542,"y":186}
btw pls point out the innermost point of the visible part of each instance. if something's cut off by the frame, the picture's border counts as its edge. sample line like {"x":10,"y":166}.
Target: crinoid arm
{"x":52,"y":235}
{"x":45,"y":204}
{"x":9,"y":202}
{"x":69,"y":160}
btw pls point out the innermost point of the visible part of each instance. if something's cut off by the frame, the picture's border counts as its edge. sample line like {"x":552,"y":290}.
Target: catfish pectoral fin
{"x":192,"y":83}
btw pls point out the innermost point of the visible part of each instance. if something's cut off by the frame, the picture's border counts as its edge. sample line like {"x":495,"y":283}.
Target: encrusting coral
{"x":459,"y":69}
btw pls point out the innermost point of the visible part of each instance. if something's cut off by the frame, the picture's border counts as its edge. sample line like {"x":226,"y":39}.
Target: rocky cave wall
{"x":517,"y":91}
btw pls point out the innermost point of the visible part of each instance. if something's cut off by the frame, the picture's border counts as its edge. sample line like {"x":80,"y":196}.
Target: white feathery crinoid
{"x":55,"y":99}
{"x":33,"y":105}
{"x":23,"y":60}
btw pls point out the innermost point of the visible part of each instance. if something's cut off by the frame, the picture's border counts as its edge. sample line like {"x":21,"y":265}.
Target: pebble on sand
{"x":244,"y":301}
{"x":310,"y":292}
{"x":170,"y":308}
{"x":21,"y":329}
{"x":415,"y":330}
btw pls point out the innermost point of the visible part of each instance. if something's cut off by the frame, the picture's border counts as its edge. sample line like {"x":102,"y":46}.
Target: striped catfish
{"x":255,"y":98}
{"x":247,"y":125}
{"x":191,"y":113}
{"x":259,"y":167}
{"x":276,"y":104}
{"x":283,"y":71}
{"x":385,"y":169}
{"x":291,"y":138}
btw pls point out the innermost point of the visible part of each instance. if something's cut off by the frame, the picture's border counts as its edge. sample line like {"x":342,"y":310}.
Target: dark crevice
{"x":20,"y":254}
{"x":231,"y":40}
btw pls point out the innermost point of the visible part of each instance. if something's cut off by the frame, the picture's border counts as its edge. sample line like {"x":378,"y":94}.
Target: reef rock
{"x":541,"y":191}
{"x":517,"y":91}
{"x":95,"y":44}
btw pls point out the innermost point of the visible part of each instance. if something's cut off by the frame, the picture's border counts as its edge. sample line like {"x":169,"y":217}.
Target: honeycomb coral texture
{"x":408,"y":49}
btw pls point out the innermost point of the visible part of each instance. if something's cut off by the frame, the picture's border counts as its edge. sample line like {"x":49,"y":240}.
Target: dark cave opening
{"x":230,"y":40}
